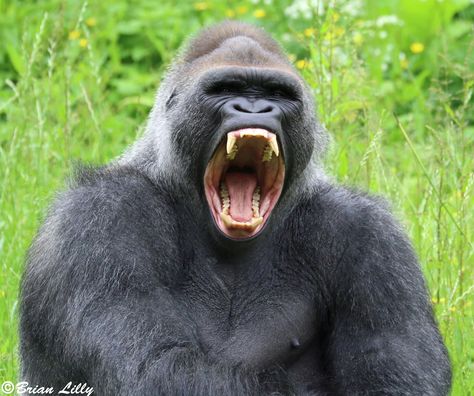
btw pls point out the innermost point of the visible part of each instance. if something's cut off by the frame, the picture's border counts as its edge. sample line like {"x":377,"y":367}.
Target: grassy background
{"x":393,"y":81}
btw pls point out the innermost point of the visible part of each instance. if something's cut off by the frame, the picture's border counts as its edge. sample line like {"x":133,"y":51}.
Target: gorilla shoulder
{"x":115,"y":213}
{"x":115,"y":197}
{"x":347,"y":218}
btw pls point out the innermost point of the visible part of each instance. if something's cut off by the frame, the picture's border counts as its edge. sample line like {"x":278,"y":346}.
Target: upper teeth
{"x":271,"y":147}
{"x":233,"y":151}
{"x":267,"y":153}
{"x":254,"y":132}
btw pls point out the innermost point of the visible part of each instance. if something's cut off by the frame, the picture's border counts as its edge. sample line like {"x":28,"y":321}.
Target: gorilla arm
{"x":100,"y":273}
{"x":384,"y":339}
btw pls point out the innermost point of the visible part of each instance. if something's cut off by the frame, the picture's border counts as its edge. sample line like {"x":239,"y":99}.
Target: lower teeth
{"x":225,"y":201}
{"x":256,"y":202}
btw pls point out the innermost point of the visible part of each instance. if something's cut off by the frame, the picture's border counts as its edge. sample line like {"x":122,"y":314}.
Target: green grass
{"x":77,"y":81}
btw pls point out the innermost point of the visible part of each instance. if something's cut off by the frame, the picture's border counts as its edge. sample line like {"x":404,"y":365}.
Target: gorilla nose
{"x":242,"y":106}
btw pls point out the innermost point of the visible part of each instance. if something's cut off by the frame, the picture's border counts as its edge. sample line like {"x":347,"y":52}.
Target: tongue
{"x":241,"y":187}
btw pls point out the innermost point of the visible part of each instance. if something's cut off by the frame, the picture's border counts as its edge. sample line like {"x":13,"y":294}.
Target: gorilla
{"x":214,"y":257}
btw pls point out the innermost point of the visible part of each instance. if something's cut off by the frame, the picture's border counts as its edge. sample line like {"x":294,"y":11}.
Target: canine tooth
{"x":231,"y":139}
{"x":226,"y":219}
{"x":256,"y":221}
{"x":274,"y":145}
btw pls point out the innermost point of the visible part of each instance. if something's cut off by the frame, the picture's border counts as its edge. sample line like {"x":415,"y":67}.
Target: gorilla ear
{"x":170,"y":102}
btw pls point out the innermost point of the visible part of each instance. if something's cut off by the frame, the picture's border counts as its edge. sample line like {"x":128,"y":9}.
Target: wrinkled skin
{"x":133,"y":286}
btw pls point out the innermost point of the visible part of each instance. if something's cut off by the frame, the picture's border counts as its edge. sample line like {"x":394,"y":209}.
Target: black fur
{"x":128,"y":288}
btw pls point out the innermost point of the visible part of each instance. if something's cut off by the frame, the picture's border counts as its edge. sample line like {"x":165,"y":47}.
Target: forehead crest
{"x":233,"y":39}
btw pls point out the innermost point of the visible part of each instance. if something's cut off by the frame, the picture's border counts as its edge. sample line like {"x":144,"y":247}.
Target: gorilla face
{"x":245,"y":174}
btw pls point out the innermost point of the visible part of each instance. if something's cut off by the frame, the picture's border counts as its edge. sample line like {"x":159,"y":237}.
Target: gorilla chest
{"x":256,"y":323}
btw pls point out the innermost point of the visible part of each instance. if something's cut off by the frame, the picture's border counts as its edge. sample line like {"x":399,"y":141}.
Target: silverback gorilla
{"x":215,"y":258}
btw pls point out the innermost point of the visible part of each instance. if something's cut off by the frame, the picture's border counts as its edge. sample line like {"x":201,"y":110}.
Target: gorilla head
{"x":234,"y":125}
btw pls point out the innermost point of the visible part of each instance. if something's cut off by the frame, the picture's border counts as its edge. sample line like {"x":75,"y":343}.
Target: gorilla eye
{"x":226,"y":87}
{"x":282,"y":91}
{"x":280,"y":94}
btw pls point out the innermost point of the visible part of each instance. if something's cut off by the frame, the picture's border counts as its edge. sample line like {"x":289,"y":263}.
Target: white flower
{"x":388,"y":20}
{"x":352,"y":7}
{"x":305,"y":9}
{"x":340,"y":57}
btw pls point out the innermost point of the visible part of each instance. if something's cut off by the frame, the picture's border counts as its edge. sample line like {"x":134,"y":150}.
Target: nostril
{"x":238,"y":107}
{"x":267,"y":109}
{"x":263,"y":106}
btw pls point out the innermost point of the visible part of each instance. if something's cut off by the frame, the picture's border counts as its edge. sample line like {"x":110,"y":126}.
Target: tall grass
{"x":408,"y":135}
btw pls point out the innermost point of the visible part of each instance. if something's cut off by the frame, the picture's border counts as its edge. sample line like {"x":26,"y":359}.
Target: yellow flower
{"x":2,"y":293}
{"x":259,"y":13}
{"x":417,"y":48}
{"x":201,"y":6}
{"x":242,"y":10}
{"x":404,"y":63}
{"x":309,"y":32}
{"x":91,"y":21}
{"x":339,"y":31}
{"x":335,"y":33}
{"x":230,"y":13}
{"x":358,"y":39}
{"x":74,"y":34}
{"x":301,"y":64}
{"x":83,"y":43}
{"x":452,"y":309}
{"x":336,"y":17}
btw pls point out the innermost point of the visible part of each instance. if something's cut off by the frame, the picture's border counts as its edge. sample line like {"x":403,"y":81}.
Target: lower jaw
{"x":239,"y":230}
{"x":249,"y":228}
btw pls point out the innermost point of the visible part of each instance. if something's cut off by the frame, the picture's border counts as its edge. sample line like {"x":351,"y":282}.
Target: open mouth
{"x":243,"y":181}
